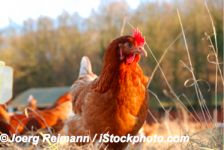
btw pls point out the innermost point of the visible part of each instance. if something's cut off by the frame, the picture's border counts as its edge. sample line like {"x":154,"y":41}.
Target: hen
{"x":53,"y":117}
{"x":4,"y":116}
{"x":115,"y":102}
{"x":4,"y":120}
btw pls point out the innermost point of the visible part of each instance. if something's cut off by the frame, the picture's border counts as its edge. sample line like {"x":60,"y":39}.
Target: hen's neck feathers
{"x":112,"y":71}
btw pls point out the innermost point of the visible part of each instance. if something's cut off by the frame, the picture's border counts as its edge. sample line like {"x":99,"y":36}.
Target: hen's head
{"x":127,"y":49}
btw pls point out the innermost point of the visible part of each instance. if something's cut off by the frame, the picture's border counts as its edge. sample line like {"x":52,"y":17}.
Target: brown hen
{"x":116,"y":101}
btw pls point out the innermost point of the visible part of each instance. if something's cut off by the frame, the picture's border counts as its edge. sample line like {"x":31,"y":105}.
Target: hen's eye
{"x":130,"y":45}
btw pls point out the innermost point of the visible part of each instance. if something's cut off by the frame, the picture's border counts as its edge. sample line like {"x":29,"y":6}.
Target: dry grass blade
{"x":123,"y":26}
{"x":189,"y":103}
{"x":176,"y":98}
{"x":42,"y":119}
{"x":162,"y":57}
{"x":200,"y":97}
{"x":217,"y":65}
{"x":153,"y":117}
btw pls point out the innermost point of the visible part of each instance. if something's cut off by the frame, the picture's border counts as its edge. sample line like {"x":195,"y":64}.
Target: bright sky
{"x":20,"y":10}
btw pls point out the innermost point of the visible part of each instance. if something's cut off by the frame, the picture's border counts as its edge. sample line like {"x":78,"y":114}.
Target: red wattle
{"x":130,"y":58}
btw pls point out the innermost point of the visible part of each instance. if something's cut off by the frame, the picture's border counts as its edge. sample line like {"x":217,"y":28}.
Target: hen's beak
{"x":141,"y":51}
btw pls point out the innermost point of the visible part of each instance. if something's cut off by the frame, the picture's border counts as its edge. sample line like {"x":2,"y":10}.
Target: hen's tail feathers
{"x":86,"y":69}
{"x":85,"y":66}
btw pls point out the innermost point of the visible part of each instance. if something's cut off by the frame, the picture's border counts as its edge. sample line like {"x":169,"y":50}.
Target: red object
{"x":140,"y":40}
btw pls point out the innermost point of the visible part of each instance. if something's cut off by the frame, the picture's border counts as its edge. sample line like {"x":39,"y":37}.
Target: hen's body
{"x":114,"y":103}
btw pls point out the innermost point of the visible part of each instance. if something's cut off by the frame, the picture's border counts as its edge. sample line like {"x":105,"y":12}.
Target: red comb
{"x":140,"y":40}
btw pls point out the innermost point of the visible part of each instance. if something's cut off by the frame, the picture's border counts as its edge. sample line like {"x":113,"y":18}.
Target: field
{"x":185,"y":66}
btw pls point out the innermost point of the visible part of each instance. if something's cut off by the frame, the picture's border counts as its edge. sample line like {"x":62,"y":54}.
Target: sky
{"x":17,"y":11}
